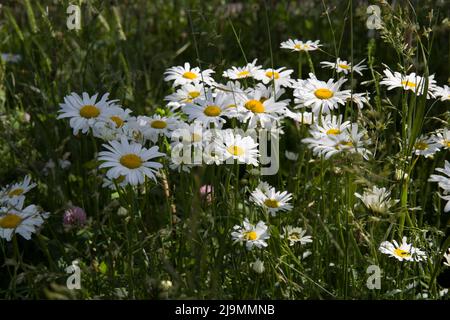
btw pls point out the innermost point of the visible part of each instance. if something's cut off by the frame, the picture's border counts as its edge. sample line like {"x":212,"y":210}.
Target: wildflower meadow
{"x":224,"y":149}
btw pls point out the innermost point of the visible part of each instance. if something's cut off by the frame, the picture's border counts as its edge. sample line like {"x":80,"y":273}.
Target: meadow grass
{"x":164,"y":239}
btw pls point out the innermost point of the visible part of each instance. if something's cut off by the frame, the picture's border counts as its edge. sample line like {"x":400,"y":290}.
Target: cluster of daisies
{"x":204,"y":122}
{"x":15,"y":217}
{"x":271,"y":202}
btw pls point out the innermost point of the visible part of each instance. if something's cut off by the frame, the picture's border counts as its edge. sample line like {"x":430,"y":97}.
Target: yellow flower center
{"x":301,"y":47}
{"x":117,"y":120}
{"x":346,"y":143}
{"x":272,"y":75}
{"x":235,"y":151}
{"x":89,"y":111}
{"x":158,"y":124}
{"x":251,"y":235}
{"x":131,"y":161}
{"x":271,"y":203}
{"x":194,"y":94}
{"x":15,"y":192}
{"x":334,"y":131}
{"x":10,"y":221}
{"x":196,"y":137}
{"x":189,"y":75}
{"x":343,"y":66}
{"x":294,"y":236}
{"x":323,"y":93}
{"x":119,"y":179}
{"x":401,"y":253}
{"x":421,"y":145}
{"x":447,"y":143}
{"x":408,"y":84}
{"x":212,"y":111}
{"x":243,"y":74}
{"x":255,"y":106}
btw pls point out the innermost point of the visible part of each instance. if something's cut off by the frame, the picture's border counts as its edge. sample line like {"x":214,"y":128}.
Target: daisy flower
{"x":297,"y":45}
{"x":237,"y":147}
{"x":404,"y":251}
{"x":111,"y":183}
{"x":181,"y":75}
{"x":112,"y":127}
{"x":301,"y":117}
{"x":248,"y":71}
{"x":425,"y":146}
{"x":130,"y":160}
{"x":155,"y":126}
{"x":271,"y":200}
{"x":377,"y":200}
{"x":253,"y":236}
{"x":360,"y":99}
{"x":18,"y":220}
{"x":351,"y":140}
{"x":443,"y":138}
{"x":267,"y":92}
{"x":295,"y":235}
{"x":447,"y":258}
{"x":443,"y":182}
{"x":187,"y":93}
{"x":321,"y":96}
{"x":84,"y":111}
{"x":410,"y":82}
{"x":191,"y":134}
{"x":17,"y":190}
{"x":211,"y":110}
{"x":442,"y":92}
{"x":344,"y":66}
{"x":280,"y":77}
{"x":259,"y":110}
{"x":331,"y":126}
